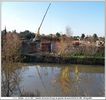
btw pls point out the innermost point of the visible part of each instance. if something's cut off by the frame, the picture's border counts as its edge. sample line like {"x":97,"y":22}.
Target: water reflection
{"x":65,"y":80}
{"x":76,"y":74}
{"x":40,"y":77}
{"x":10,"y":79}
{"x":77,"y":81}
{"x":53,"y":80}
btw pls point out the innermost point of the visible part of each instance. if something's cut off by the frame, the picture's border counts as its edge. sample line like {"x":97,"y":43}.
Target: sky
{"x":81,"y":17}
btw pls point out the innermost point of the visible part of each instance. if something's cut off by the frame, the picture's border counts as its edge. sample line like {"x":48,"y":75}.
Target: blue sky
{"x":82,"y":17}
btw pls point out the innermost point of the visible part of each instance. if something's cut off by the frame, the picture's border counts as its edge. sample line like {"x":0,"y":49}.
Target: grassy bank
{"x":89,"y":60}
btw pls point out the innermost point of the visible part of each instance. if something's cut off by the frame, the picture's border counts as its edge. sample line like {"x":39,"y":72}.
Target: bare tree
{"x":10,"y":55}
{"x":11,"y":48}
{"x":69,"y":31}
{"x":65,"y":43}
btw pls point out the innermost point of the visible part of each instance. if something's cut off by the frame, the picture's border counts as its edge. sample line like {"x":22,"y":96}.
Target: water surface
{"x":63,"y":79}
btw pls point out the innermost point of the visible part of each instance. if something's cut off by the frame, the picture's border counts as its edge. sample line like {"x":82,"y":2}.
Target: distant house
{"x":49,"y":44}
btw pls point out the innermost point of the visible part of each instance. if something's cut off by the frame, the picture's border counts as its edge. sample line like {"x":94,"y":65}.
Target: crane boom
{"x":43,"y":19}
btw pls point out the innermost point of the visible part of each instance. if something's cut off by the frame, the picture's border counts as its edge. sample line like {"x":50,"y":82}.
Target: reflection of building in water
{"x":65,"y":80}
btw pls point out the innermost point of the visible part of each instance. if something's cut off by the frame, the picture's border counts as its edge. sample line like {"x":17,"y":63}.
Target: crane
{"x":38,"y":32}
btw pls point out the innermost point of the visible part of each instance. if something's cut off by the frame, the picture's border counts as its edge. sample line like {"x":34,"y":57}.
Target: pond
{"x":61,"y":80}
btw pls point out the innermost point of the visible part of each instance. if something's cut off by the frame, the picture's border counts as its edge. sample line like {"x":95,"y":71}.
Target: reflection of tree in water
{"x":76,"y":82}
{"x":69,"y":85}
{"x":76,"y":73}
{"x":65,"y":80}
{"x":10,"y":79}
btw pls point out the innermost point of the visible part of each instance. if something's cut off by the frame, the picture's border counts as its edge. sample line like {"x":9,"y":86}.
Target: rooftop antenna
{"x":38,"y":32}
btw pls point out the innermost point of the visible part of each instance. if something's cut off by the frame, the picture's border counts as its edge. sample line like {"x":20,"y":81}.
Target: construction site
{"x":53,"y":64}
{"x":41,"y":46}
